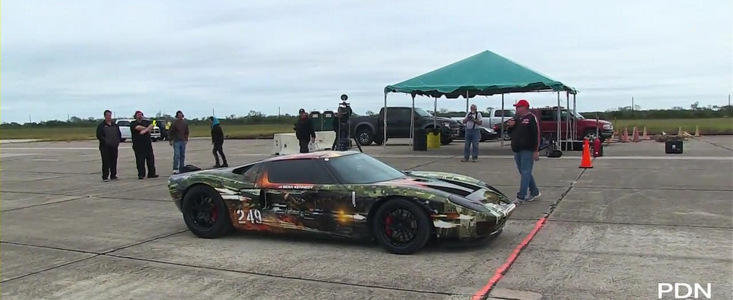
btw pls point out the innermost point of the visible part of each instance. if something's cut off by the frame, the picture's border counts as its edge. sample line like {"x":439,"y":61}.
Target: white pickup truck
{"x":124,"y":125}
{"x":494,"y":116}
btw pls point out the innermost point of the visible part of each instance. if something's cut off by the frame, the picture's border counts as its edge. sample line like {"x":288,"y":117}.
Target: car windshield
{"x":361,"y":168}
{"x":123,"y":123}
{"x":421,"y":112}
{"x":578,"y":116}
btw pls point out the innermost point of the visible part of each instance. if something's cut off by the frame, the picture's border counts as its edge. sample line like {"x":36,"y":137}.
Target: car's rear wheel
{"x":364,"y":136}
{"x":401,"y":226}
{"x":205,"y":213}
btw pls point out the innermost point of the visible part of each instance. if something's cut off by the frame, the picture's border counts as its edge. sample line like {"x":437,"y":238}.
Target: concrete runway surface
{"x":638,"y":218}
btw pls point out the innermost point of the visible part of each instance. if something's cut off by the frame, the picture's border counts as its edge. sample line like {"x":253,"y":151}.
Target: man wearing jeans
{"x":472,"y":134}
{"x":525,"y":133}
{"x":179,"y":138}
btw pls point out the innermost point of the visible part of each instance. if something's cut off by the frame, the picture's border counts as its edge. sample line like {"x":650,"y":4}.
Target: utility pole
{"x":632,"y":104}
{"x":278,"y":110}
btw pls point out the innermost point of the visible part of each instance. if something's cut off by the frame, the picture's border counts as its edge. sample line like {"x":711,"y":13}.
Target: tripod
{"x":337,"y":140}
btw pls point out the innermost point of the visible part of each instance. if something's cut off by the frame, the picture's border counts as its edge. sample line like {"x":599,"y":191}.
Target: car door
{"x":247,"y":214}
{"x":547,"y":121}
{"x":393,"y":122}
{"x":298,"y":194}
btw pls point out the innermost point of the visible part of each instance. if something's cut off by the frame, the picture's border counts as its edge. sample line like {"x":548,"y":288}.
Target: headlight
{"x":607,"y":126}
{"x":446,"y":124}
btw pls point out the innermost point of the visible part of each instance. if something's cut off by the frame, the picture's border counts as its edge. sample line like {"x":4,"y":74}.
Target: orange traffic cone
{"x":625,"y":136}
{"x":585,"y":160}
{"x":643,"y":135}
{"x":635,"y":137}
{"x":697,"y":130}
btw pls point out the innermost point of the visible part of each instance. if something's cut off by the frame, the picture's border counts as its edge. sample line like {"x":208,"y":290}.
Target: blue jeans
{"x":179,"y":154}
{"x":471,"y":144}
{"x":525,"y":162}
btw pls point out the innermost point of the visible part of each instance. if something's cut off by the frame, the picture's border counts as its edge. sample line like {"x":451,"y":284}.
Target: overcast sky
{"x":78,"y":58}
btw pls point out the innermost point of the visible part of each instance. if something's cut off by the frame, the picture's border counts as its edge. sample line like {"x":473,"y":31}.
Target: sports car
{"x":344,"y":194}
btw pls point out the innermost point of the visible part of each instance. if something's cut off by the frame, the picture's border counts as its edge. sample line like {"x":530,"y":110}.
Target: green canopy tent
{"x":486,"y":73}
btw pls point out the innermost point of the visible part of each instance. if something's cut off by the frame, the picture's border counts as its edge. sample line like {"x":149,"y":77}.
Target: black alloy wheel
{"x":401,"y":226}
{"x":205,"y":213}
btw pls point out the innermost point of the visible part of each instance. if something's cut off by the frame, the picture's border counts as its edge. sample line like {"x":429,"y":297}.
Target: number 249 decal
{"x":253,"y":216}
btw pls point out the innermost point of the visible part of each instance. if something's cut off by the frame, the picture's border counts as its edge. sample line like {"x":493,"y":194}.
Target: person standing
{"x":217,"y":139}
{"x":525,"y":133}
{"x":142,"y":146}
{"x":304,"y":131}
{"x":179,"y":138}
{"x":109,"y":136}
{"x":472,"y":135}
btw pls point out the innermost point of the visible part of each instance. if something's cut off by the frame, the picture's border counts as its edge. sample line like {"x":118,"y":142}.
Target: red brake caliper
{"x":214,"y":212}
{"x":387,"y":222}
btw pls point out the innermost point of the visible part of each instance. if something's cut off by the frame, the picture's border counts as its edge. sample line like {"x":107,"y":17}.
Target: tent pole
{"x":412,"y":120}
{"x":501,"y":134}
{"x":575,"y":123}
{"x":384,"y":137}
{"x":466,"y":101}
{"x":435,"y":113}
{"x":567,"y":121}
{"x":558,"y":119}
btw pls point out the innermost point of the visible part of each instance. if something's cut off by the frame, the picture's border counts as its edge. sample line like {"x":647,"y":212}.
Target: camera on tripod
{"x":344,"y":110}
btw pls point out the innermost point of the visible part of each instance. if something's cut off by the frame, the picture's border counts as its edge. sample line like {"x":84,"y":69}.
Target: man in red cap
{"x":304,"y":131}
{"x":142,"y":146}
{"x":525,"y":133}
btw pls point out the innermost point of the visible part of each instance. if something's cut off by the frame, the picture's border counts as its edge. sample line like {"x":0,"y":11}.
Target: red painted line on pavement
{"x":499,"y":273}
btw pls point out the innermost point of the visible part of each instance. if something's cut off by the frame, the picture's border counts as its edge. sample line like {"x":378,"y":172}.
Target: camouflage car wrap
{"x":459,"y":206}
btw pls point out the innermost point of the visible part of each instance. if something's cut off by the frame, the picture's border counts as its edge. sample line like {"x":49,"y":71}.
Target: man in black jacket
{"x":525,"y":132}
{"x":304,"y":131}
{"x":217,"y":139}
{"x":142,"y":146}
{"x":109,"y":136}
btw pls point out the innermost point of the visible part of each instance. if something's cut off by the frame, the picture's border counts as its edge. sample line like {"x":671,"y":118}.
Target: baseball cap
{"x":522,"y":102}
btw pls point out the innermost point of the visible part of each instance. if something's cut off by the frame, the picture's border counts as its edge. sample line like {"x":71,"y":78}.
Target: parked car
{"x":586,"y":128}
{"x":368,"y":129}
{"x":487,"y":133}
{"x":340,"y":194}
{"x":494,"y":116}
{"x":155,"y":134}
{"x":124,"y":125}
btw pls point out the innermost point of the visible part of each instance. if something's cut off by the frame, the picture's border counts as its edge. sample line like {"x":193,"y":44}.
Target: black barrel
{"x":420,"y":140}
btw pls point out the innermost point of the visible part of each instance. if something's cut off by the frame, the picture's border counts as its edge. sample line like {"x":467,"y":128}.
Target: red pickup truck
{"x":547,"y":117}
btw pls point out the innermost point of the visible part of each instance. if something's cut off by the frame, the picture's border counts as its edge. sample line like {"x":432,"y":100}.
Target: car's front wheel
{"x":591,"y":135}
{"x":205,"y":213}
{"x":401,"y":226}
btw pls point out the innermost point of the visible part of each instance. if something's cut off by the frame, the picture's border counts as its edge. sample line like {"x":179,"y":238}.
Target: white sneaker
{"x":535,"y":197}
{"x":518,"y":201}
{"x":175,"y":171}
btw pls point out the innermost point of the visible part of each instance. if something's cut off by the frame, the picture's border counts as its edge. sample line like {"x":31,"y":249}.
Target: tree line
{"x":255,"y":117}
